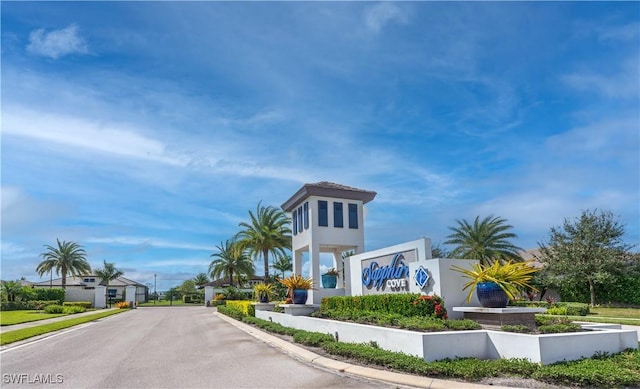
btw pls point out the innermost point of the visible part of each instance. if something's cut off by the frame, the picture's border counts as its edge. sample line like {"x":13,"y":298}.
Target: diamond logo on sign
{"x":421,"y":276}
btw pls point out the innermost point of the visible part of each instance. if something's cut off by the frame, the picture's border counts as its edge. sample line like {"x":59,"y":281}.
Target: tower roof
{"x":327,"y":189}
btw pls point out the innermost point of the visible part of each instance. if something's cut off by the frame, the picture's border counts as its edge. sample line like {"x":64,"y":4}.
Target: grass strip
{"x":25,"y":333}
{"x":607,"y":320}
{"x":8,"y":318}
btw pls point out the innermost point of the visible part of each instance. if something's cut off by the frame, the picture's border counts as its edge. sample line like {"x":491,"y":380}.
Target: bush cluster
{"x":122,"y":305}
{"x":414,"y":323}
{"x":244,"y":306}
{"x":68,"y":310}
{"x":84,"y":304}
{"x":559,"y":308}
{"x":231,"y":312}
{"x":24,"y":305}
{"x":603,"y":371}
{"x":405,"y":304}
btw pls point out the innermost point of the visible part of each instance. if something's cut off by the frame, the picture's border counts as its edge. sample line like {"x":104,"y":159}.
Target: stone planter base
{"x":497,"y":317}
{"x":300,"y":309}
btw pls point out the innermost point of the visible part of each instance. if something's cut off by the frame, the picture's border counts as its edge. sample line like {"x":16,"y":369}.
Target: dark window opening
{"x":323,"y":213}
{"x":353,"y":215}
{"x":294,"y":217}
{"x":337,"y":215}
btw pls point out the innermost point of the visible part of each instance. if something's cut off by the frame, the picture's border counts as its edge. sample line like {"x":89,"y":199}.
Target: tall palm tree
{"x":268,"y":232}
{"x":108,"y":273}
{"x":201,"y":279}
{"x":485,"y":240}
{"x":231,"y":259}
{"x":283,"y":264}
{"x":67,"y":258}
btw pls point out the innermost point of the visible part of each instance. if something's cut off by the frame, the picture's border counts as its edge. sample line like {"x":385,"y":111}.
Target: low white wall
{"x":73,"y":295}
{"x":481,"y":344}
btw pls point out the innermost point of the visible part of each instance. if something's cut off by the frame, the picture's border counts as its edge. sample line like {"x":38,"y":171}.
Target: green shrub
{"x":559,"y":328}
{"x":243,"y":306}
{"x":71,"y":309}
{"x":557,"y":311}
{"x":462,"y":325}
{"x":314,"y":339}
{"x":404,"y":304}
{"x":45,"y":294}
{"x":575,"y":309}
{"x":84,"y":304}
{"x":54,"y":309}
{"x":217,"y":303}
{"x":519,"y":328}
{"x":231,"y":312}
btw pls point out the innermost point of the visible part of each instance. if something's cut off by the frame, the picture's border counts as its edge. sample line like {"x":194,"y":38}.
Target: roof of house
{"x":224,"y":282}
{"x":78,"y":281}
{"x":327,"y":189}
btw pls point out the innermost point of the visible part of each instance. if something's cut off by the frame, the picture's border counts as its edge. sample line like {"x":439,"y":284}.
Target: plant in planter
{"x":330,"y":278}
{"x":497,"y":283}
{"x":263,"y":292}
{"x":297,"y":287}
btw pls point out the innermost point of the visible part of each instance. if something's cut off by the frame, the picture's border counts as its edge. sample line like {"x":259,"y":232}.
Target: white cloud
{"x":621,"y":83}
{"x":145,"y":241}
{"x":57,"y":43}
{"x":381,"y":14}
{"x":112,"y":138}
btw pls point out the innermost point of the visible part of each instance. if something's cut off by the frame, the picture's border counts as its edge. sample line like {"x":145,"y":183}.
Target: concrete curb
{"x":312,"y":358}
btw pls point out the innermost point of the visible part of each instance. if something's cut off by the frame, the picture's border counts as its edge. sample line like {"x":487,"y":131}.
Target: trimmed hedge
{"x":49,"y":294}
{"x":27,"y":305}
{"x":244,"y":306}
{"x":405,"y":304}
{"x":559,"y":308}
{"x":83,"y":304}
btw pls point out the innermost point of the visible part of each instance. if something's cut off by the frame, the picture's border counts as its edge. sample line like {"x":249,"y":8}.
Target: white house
{"x":83,"y":288}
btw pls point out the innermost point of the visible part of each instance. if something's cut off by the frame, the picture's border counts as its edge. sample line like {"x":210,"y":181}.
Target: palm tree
{"x":231,"y":259}
{"x":283,"y":264}
{"x":201,"y":279}
{"x":67,"y":258}
{"x":268,"y":232}
{"x":485,"y":240}
{"x":107,"y":274}
{"x":11,"y":289}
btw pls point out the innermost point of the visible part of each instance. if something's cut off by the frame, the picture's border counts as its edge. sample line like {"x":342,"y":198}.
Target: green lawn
{"x":627,"y":313}
{"x":14,"y":336}
{"x":8,"y":318}
{"x":624,"y":316}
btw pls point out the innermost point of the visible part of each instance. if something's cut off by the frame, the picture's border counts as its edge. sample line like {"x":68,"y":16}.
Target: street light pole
{"x":155,"y":290}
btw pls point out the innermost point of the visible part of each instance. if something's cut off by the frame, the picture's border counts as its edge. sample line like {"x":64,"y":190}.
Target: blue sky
{"x":146,"y":131}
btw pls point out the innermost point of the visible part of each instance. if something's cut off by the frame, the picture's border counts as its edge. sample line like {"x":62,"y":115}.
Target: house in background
{"x":83,"y":288}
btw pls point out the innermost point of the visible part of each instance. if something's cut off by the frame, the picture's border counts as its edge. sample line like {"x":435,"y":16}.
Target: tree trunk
{"x":265,"y":255}
{"x":592,"y":293}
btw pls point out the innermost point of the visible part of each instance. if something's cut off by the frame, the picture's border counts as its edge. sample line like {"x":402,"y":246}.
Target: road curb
{"x":312,"y":358}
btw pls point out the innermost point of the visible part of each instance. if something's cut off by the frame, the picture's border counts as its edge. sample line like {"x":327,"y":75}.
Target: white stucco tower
{"x":327,"y":218}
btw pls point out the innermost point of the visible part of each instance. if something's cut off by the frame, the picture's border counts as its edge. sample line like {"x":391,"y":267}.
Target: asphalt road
{"x":177,"y":347}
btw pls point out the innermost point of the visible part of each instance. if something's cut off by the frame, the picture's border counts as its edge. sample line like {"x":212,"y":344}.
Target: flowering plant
{"x":510,"y":276}
{"x":332,"y":272}
{"x":431,"y":305}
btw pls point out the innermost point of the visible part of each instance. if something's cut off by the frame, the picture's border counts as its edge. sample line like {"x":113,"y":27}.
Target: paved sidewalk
{"x":52,"y":320}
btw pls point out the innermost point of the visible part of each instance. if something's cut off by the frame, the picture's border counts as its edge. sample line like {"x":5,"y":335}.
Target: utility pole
{"x":155,"y":289}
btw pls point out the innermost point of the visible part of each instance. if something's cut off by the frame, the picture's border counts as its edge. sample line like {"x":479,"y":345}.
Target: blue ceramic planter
{"x":300,"y":296}
{"x":491,"y":295}
{"x":329,"y":281}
